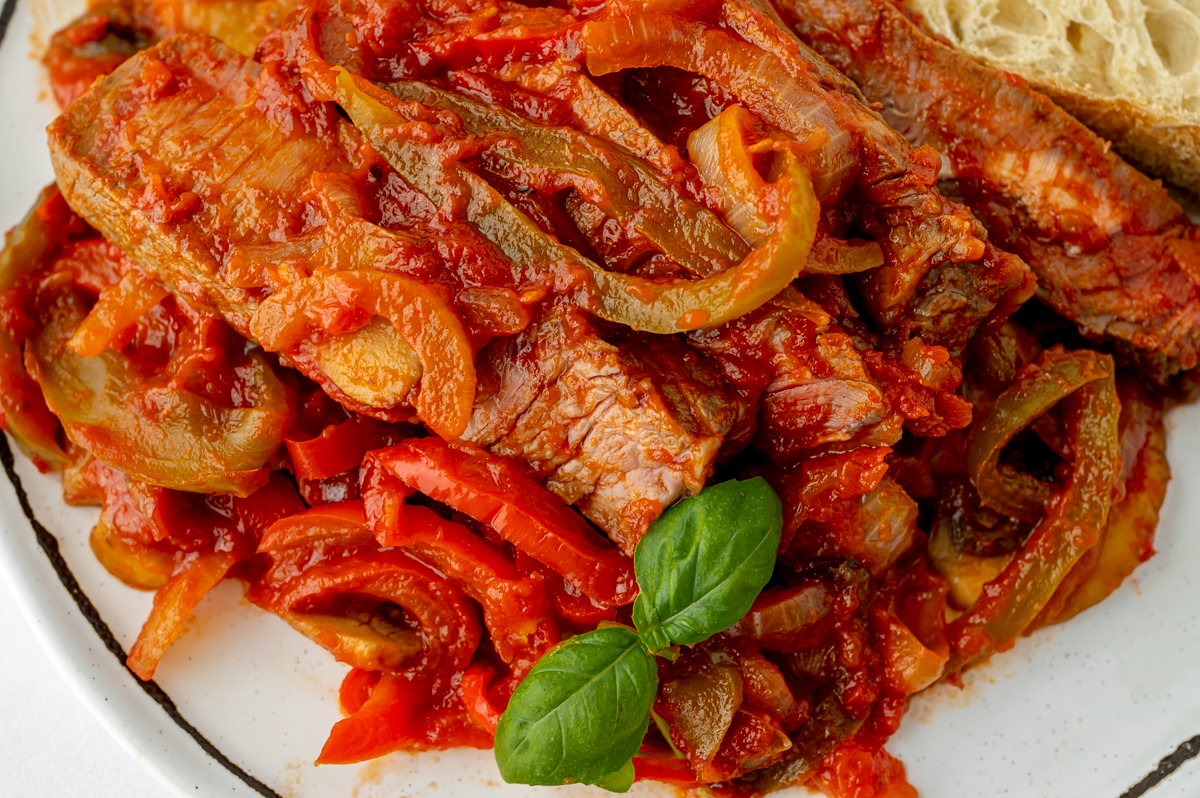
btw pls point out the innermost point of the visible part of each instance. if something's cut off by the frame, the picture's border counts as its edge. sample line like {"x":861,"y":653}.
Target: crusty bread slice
{"x":1128,"y":69}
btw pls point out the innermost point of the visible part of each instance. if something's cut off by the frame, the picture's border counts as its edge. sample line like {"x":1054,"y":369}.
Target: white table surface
{"x":50,"y":745}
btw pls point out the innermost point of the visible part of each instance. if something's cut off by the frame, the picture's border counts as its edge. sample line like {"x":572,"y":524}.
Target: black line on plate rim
{"x":6,"y":15}
{"x":49,"y":545}
{"x":1166,"y":766}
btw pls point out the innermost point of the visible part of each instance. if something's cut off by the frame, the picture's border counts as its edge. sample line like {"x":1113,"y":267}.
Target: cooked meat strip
{"x":954,"y":296}
{"x":1111,"y":250}
{"x":619,"y":424}
{"x":820,"y":387}
{"x":808,"y":380}
{"x":740,"y":52}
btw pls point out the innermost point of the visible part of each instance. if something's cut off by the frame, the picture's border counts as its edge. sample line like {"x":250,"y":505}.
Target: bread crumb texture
{"x":1144,"y":51}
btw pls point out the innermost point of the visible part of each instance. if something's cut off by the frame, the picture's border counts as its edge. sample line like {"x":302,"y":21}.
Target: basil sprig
{"x":703,"y":563}
{"x":581,"y":713}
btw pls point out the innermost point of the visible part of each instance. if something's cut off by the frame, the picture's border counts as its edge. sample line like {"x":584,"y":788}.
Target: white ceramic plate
{"x":242,"y":703}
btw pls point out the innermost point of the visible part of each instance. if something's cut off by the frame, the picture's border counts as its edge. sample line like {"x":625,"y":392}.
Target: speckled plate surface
{"x":1107,"y":705}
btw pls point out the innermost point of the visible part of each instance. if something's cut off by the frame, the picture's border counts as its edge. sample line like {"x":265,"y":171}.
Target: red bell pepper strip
{"x":400,"y":715}
{"x":572,"y":605}
{"x":387,"y":721}
{"x":356,"y":689}
{"x":326,"y":553}
{"x":495,"y":491}
{"x":339,"y":525}
{"x":339,"y":447}
{"x":474,"y":692}
{"x":267,"y":506}
{"x":669,"y":770}
{"x":516,"y":609}
{"x":449,"y":631}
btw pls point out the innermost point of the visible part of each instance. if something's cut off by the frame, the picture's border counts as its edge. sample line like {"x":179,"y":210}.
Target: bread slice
{"x":1128,"y":69}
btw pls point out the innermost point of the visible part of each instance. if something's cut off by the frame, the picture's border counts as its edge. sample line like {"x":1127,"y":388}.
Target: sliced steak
{"x":619,"y":424}
{"x":1111,"y":250}
{"x":818,"y":383}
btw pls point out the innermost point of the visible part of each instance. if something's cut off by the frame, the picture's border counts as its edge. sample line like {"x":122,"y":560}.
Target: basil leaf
{"x":704,"y":561}
{"x":581,"y":713}
{"x":620,"y":781}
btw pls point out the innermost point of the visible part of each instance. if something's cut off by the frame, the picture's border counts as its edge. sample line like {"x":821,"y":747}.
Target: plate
{"x":1106,"y":705}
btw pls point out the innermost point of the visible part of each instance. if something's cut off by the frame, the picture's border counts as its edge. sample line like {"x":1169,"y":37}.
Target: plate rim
{"x":136,"y":724}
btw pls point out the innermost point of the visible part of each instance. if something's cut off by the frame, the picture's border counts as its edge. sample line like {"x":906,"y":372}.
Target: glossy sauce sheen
{"x":416,"y":317}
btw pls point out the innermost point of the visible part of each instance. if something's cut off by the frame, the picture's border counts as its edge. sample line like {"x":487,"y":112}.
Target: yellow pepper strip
{"x":658,"y":306}
{"x":419,"y":315}
{"x":118,"y":309}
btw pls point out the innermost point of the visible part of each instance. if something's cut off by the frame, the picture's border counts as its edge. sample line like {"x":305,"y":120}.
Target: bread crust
{"x":1147,"y":118}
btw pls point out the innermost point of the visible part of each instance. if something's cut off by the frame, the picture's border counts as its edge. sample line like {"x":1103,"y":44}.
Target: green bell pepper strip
{"x":25,"y":415}
{"x":657,"y":306}
{"x":151,"y":428}
{"x":1001,"y":488}
{"x":1074,"y":517}
{"x":621,"y":185}
{"x":27,"y":244}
